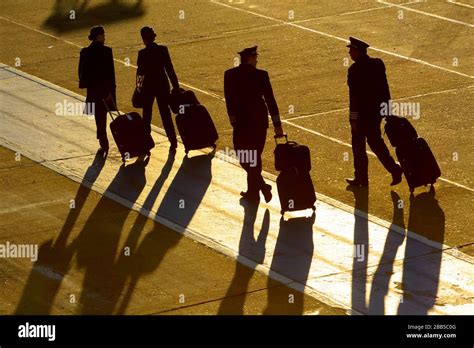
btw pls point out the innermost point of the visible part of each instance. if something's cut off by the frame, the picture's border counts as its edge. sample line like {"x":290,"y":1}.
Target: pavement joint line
{"x":337,"y":15}
{"x":214,"y":95}
{"x":224,"y":34}
{"x":349,"y":13}
{"x":469,"y":25}
{"x":271,"y":177}
{"x":264,"y":27}
{"x":402,"y":98}
{"x":459,"y":3}
{"x":246,"y":293}
{"x":415,"y":60}
{"x":31,"y":205}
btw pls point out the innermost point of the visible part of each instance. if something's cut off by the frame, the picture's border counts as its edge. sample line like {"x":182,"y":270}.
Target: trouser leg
{"x":249,"y":147}
{"x":147,"y":110}
{"x":166,"y":118}
{"x":256,"y":167}
{"x":361,"y":162}
{"x":377,"y":145}
{"x":101,"y":122}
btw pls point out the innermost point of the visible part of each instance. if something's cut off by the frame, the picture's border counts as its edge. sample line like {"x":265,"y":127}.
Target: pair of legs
{"x":249,"y":144}
{"x":162,"y":100}
{"x":370,"y":132}
{"x":101,"y":124}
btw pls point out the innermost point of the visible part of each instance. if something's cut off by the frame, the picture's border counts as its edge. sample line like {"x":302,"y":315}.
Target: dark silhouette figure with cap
{"x":368,"y":88}
{"x":97,"y":74}
{"x":154,"y":69}
{"x":248,"y":93}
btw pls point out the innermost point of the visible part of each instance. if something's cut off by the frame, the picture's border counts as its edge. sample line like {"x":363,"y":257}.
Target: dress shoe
{"x":396,"y":176}
{"x":104,"y":145}
{"x":357,"y":182}
{"x":267,"y":192}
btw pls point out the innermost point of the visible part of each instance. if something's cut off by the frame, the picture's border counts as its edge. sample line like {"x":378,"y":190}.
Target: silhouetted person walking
{"x":97,"y":74}
{"x":248,"y":92}
{"x":368,"y":88}
{"x":154,"y":69}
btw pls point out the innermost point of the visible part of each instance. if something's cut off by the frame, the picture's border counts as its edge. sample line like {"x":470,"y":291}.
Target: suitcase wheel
{"x":148,"y":154}
{"x":313,"y":207}
{"x":282,"y":212}
{"x":214,"y":146}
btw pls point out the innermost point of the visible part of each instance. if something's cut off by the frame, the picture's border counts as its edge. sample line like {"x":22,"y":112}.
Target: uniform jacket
{"x":249,"y":97}
{"x":368,"y":88}
{"x":154,"y":62}
{"x":96,"y":71}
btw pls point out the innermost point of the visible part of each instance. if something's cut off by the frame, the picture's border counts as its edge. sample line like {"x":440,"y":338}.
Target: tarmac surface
{"x":426,"y":48}
{"x":351,"y":262}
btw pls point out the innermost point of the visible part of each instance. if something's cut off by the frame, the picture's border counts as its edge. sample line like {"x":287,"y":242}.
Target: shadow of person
{"x":420,"y":279}
{"x":361,"y":247}
{"x":97,"y":243}
{"x":187,"y":189}
{"x":381,"y":279}
{"x":249,"y":248}
{"x":179,"y":205}
{"x":292,"y":258}
{"x":54,"y":258}
{"x":71,"y":15}
{"x":125,"y":263}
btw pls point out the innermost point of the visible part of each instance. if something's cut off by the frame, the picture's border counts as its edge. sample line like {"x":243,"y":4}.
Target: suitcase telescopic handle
{"x":108,"y":110}
{"x":284,"y":135}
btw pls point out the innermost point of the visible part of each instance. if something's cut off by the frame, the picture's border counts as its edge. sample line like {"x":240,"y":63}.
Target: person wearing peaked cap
{"x":247,"y":52}
{"x":368,"y":89}
{"x":249,"y":98}
{"x":97,"y":74}
{"x":358,"y":44}
{"x":154,"y":68}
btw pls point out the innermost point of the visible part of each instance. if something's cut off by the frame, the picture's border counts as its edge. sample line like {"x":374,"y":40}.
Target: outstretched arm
{"x":272,"y":105}
{"x":170,"y":70}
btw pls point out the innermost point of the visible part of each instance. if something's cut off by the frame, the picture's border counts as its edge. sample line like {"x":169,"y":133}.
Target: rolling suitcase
{"x":296,"y":190}
{"x":399,"y":130}
{"x":130,"y":134}
{"x":195,"y":125}
{"x":418,"y":163}
{"x":291,"y":154}
{"x":196,"y":128}
{"x":180,"y":99}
